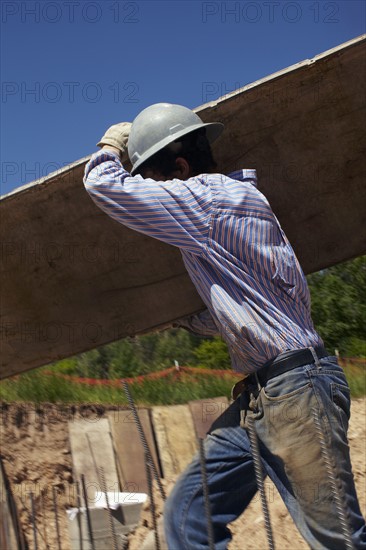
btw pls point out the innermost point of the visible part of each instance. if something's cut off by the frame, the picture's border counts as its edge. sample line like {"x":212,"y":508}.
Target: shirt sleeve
{"x":176,"y":212}
{"x":201,"y":324}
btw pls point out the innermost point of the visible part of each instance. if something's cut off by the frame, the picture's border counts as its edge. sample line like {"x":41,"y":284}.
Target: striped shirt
{"x":233,"y":248}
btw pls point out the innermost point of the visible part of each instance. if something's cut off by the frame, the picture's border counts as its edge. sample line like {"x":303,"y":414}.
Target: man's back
{"x":248,"y":275}
{"x":233,"y":248}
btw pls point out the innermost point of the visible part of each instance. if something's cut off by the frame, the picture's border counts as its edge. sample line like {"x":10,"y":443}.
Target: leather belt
{"x":284,"y":362}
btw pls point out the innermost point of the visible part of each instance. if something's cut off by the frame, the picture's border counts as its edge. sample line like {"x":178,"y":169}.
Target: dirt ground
{"x":36,"y":454}
{"x":249,"y":531}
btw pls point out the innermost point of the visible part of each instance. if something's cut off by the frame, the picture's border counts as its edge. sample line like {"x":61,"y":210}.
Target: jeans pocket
{"x":286,"y":385}
{"x":341,"y":398}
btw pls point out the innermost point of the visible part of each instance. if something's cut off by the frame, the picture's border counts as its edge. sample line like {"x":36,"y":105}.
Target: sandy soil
{"x":36,"y":454}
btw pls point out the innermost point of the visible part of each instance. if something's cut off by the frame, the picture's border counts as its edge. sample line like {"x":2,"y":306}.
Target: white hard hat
{"x":160,"y":124}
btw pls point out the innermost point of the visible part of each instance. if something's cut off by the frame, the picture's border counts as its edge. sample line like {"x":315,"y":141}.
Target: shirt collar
{"x":249,"y":175}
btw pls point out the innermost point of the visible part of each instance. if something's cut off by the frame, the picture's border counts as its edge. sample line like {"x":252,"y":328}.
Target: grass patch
{"x":356,"y":377}
{"x":38,"y":387}
{"x":186,"y":388}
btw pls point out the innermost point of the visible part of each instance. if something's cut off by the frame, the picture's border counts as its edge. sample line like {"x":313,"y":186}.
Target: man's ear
{"x":183,"y":170}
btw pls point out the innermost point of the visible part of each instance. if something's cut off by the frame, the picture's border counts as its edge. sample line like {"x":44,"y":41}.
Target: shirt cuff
{"x":109,"y":155}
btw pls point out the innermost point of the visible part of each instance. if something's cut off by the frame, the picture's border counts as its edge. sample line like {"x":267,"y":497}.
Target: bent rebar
{"x":259,"y":478}
{"x":336,"y":488}
{"x":143,"y":440}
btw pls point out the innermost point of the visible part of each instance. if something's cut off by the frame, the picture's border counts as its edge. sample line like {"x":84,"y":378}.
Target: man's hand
{"x":116,"y":138}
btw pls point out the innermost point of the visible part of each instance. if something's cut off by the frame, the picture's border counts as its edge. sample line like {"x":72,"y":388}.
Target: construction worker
{"x":294,"y":398}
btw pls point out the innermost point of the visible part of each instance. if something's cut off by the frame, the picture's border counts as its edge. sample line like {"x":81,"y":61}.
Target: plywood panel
{"x":302,"y":129}
{"x":99,"y":435}
{"x":129,"y":449}
{"x":175,"y":436}
{"x":205,"y":412}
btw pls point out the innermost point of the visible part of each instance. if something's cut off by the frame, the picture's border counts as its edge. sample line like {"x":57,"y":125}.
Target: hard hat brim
{"x":213,"y":131}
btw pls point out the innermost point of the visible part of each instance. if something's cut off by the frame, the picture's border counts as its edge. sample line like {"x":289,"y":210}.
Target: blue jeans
{"x":288,"y":413}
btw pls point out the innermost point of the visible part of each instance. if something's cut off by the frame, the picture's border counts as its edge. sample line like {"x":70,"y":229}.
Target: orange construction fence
{"x":176,"y":372}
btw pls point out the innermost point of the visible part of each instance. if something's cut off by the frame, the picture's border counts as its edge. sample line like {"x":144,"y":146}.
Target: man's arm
{"x":176,"y":212}
{"x":201,"y":324}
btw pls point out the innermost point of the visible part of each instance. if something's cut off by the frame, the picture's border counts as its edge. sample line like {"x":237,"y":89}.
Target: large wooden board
{"x":73,"y":279}
{"x":87,"y":459}
{"x":303,"y":129}
{"x":129,"y":449}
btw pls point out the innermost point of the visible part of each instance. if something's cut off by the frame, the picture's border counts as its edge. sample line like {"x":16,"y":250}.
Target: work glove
{"x":117,"y":136}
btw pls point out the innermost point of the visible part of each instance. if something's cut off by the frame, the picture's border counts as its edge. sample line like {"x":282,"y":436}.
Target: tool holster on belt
{"x":246,"y":392}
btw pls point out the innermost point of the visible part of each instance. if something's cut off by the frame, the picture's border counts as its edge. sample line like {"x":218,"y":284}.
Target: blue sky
{"x":72,"y":68}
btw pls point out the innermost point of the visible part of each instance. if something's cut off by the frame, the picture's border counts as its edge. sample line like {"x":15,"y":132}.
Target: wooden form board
{"x":171,"y":433}
{"x":73,"y":279}
{"x":175,"y":436}
{"x":129,"y":449}
{"x":205,"y":411}
{"x":99,"y":435}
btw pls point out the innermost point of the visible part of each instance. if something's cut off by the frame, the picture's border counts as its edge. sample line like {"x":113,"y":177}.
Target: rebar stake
{"x":103,"y":487}
{"x":337,"y":489}
{"x":110,"y":514}
{"x":147,"y":451}
{"x":152,"y":500}
{"x":54,"y":495}
{"x":78,"y":502}
{"x":206,"y":496}
{"x":259,"y":479}
{"x":44,"y":521}
{"x":88,"y":518}
{"x":33,"y":521}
